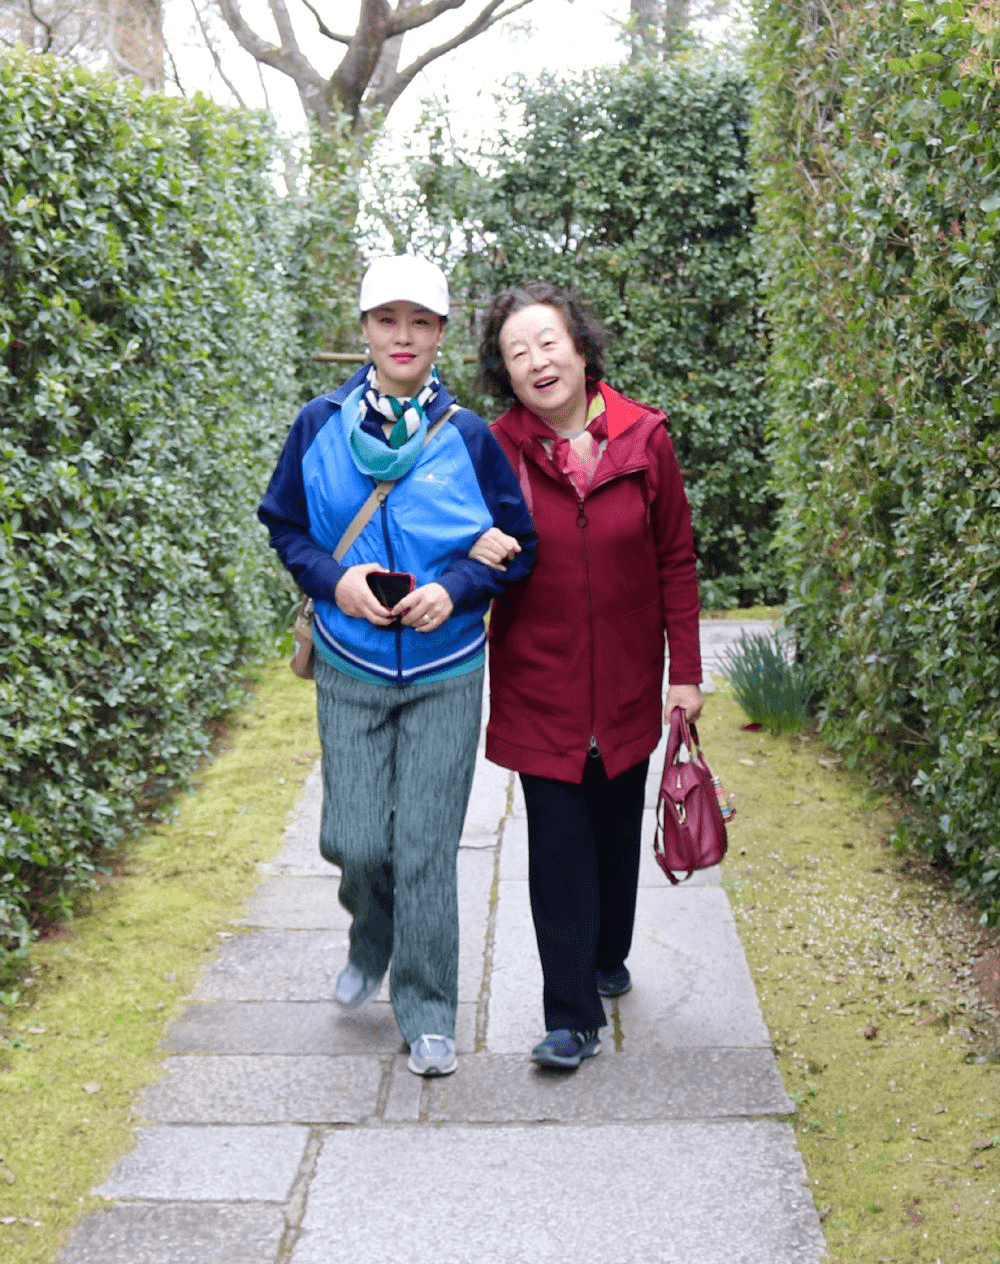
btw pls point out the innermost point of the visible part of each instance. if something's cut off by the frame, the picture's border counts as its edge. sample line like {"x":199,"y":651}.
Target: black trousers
{"x":583,"y":870}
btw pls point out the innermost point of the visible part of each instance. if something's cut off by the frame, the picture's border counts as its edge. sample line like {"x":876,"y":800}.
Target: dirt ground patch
{"x":986,"y":973}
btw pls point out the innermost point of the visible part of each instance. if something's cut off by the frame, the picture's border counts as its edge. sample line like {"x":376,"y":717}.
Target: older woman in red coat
{"x":577,"y":650}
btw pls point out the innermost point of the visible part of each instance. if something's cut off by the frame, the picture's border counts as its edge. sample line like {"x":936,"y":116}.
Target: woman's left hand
{"x":426,"y":608}
{"x":687,"y":696}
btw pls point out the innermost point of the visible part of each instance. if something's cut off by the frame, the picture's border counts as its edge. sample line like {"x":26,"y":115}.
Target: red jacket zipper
{"x":593,"y":751}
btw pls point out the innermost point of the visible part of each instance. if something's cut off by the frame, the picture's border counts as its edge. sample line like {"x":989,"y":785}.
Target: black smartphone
{"x":390,"y":586}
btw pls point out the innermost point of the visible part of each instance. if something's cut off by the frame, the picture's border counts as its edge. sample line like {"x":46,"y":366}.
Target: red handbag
{"x":692,"y":809}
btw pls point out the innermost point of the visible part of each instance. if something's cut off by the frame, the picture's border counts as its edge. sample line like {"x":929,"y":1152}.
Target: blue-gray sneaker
{"x":613,"y":982}
{"x":354,"y":988}
{"x":432,"y":1055}
{"x":565,"y":1048}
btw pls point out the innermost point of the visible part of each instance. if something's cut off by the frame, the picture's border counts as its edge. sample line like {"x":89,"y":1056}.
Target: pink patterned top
{"x":577,"y":456}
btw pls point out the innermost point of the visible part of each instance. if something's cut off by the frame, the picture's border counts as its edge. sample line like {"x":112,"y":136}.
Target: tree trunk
{"x":133,"y":31}
{"x":656,"y":26}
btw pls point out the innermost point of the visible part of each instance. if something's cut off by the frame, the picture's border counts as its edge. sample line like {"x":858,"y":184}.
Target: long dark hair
{"x":589,"y":336}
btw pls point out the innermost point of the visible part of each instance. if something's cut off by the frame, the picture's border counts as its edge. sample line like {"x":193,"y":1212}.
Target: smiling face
{"x":404,"y":339}
{"x":547,"y":373}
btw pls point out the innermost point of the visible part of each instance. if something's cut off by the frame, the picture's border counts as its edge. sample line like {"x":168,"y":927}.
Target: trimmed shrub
{"x":146,"y":361}
{"x":631,"y":186}
{"x":879,"y":198}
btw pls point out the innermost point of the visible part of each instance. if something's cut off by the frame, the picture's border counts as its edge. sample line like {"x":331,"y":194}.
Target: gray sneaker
{"x":354,"y":988}
{"x":432,"y":1055}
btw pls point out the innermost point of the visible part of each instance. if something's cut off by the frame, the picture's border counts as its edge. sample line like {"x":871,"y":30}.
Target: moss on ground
{"x":863,"y":964}
{"x":754,"y":612}
{"x":82,"y":1041}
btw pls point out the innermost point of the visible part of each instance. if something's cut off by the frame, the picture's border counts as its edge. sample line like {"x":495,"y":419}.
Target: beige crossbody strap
{"x":382,"y":490}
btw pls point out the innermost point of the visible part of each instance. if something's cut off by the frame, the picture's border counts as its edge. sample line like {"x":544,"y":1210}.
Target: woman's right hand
{"x":356,"y":599}
{"x":494,"y":547}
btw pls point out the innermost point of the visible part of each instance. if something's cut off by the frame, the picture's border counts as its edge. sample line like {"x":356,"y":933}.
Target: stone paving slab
{"x":691,"y":984}
{"x":475,"y":886}
{"x":273,"y":965}
{"x":404,"y":1100}
{"x":192,"y":1164}
{"x":668,"y":1084}
{"x":265,"y":1090}
{"x":298,"y":1028}
{"x":515,"y":1019}
{"x":283,"y":1027}
{"x":681,"y":1193}
{"x":293,"y":902}
{"x":300,"y":853}
{"x":299,"y":903}
{"x":158,"y":1233}
{"x":488,"y":806}
{"x":514,"y":850}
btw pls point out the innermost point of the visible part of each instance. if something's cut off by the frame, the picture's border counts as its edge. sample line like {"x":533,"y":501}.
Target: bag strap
{"x":382,"y":490}
{"x":679,"y":735}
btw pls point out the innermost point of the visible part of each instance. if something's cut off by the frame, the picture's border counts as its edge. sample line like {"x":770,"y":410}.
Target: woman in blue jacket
{"x":399,"y":688}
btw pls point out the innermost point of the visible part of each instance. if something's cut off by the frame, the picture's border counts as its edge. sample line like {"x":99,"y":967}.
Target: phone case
{"x":390,"y":586}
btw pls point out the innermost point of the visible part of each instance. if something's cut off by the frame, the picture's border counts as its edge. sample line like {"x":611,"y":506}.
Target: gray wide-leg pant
{"x":397,"y":772}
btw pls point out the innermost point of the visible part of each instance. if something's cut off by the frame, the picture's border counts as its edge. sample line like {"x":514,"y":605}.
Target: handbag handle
{"x":378,"y":496}
{"x":680,"y":734}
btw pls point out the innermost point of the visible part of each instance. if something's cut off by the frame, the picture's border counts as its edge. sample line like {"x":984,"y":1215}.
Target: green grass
{"x":773,"y":613}
{"x":861,"y":960}
{"x":82,"y":1040}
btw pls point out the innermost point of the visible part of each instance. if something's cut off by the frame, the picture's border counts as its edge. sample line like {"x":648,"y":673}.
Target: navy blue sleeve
{"x":470,"y":583}
{"x":285,"y":513}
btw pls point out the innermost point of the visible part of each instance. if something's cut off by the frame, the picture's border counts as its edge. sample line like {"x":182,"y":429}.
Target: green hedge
{"x":146,"y":381}
{"x":879,"y":196}
{"x":633,"y":187}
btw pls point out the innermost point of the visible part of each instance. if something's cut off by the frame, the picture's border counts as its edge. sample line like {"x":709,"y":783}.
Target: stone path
{"x":286,"y":1131}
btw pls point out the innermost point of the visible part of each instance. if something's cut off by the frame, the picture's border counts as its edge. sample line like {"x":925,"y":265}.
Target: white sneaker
{"x":354,"y":988}
{"x":432,"y":1055}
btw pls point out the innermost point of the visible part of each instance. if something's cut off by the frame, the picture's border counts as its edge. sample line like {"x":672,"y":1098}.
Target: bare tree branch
{"x":175,"y":76}
{"x":368,"y":74}
{"x":46,"y":27}
{"x":311,"y":85}
{"x":412,"y":16}
{"x":289,"y":62}
{"x":384,"y":73}
{"x":324,"y":29}
{"x":391,"y":93}
{"x":279,"y":11}
{"x":213,"y":49}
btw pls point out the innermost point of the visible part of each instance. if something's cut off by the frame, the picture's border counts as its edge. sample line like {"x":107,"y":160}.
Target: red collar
{"x":620,"y":411}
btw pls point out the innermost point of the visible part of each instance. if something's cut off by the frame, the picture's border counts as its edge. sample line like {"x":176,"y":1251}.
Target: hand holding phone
{"x":390,"y":586}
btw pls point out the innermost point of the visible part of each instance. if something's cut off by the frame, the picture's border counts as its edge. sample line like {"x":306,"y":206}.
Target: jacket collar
{"x":629,"y":427}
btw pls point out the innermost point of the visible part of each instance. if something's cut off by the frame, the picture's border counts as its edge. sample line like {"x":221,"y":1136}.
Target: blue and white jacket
{"x":461,"y":485}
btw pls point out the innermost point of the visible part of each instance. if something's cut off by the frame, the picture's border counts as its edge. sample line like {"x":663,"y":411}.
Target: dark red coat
{"x":577,"y":650}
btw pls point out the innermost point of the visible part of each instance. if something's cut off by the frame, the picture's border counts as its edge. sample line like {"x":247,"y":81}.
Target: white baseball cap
{"x":408,"y":278}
